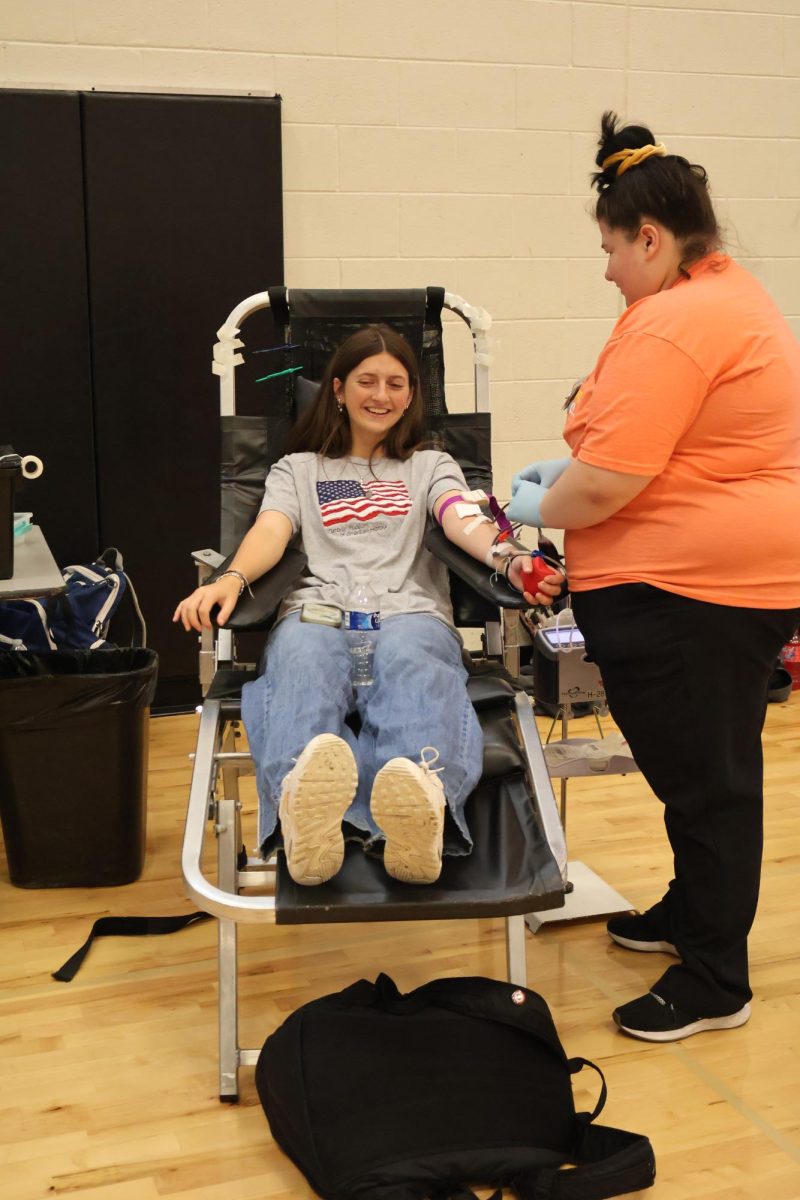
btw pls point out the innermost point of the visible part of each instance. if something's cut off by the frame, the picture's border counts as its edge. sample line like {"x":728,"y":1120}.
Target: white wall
{"x":450,"y":141}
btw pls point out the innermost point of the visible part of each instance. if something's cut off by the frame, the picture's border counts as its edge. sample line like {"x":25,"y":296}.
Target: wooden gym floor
{"x":109,"y":1088}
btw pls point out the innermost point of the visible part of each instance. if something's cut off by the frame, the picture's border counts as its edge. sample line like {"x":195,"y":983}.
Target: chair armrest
{"x":253,"y":612}
{"x":477,"y":575}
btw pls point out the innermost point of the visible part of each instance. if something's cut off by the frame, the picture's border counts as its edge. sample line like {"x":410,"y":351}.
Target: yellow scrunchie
{"x":632,"y":158}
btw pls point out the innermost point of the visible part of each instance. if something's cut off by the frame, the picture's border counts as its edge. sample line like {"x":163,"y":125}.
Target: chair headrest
{"x":305,"y":393}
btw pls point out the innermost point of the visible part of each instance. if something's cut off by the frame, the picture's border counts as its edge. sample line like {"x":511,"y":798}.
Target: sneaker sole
{"x":647,"y":947}
{"x":702,"y":1025}
{"x":311,"y":813}
{"x":412,"y":822}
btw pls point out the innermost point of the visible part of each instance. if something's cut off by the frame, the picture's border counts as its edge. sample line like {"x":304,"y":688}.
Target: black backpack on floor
{"x":376,"y":1095}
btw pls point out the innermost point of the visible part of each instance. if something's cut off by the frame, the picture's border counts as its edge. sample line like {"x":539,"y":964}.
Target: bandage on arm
{"x":468,"y":524}
{"x":465,"y":504}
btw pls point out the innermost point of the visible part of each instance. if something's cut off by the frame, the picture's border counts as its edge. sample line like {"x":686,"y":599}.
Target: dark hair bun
{"x":613,"y":137}
{"x":654,"y":185}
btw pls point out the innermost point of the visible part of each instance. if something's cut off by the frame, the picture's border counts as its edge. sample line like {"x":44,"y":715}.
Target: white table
{"x":35,"y":569}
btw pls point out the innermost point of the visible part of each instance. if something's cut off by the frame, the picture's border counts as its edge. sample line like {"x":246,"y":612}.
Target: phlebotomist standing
{"x":681,"y":503}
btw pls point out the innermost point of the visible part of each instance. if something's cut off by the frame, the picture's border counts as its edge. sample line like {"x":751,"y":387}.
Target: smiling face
{"x":375,"y":394}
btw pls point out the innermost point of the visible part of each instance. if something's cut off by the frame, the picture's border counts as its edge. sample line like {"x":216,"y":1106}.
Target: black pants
{"x":686,"y":682}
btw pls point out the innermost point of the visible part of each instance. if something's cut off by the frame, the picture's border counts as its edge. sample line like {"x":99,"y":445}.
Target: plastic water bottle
{"x":362,"y":620}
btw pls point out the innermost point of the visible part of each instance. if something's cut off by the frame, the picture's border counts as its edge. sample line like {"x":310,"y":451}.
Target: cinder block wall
{"x":449,"y":141}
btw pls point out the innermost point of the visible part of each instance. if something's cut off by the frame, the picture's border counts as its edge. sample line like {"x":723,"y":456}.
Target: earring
{"x":340,"y":406}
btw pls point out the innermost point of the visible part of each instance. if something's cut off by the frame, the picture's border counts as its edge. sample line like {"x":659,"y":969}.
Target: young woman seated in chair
{"x":356,"y":490}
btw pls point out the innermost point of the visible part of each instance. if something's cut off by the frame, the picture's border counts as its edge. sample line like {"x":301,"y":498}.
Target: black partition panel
{"x":130,"y":225}
{"x":184,"y":220}
{"x":45,"y":393}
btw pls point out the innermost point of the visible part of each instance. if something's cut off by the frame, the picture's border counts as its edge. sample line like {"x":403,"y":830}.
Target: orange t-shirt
{"x":698,"y":386}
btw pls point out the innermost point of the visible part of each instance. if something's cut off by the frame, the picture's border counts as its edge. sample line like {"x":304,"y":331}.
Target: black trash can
{"x":73,"y":765}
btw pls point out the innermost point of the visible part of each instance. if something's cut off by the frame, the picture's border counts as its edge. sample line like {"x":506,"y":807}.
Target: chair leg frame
{"x":516,"y":963}
{"x":228,"y":830}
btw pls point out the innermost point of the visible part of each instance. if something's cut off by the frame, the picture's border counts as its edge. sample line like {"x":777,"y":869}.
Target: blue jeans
{"x":418,"y":698}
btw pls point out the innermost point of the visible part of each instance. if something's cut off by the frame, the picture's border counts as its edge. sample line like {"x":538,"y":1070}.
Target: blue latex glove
{"x":525,"y":504}
{"x":545,"y":472}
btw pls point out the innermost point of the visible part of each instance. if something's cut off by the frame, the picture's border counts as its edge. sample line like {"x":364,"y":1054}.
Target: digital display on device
{"x":567,"y":636}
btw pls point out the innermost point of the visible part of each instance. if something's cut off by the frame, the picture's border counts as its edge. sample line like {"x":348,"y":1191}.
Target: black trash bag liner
{"x":73,"y":764}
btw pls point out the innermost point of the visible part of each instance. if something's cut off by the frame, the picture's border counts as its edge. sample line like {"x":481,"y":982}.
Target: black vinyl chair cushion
{"x":258,"y":612}
{"x":488,"y":584}
{"x":510,"y":871}
{"x":489,"y":685}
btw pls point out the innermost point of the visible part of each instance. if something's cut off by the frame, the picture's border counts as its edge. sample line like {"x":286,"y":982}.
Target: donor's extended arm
{"x":261,"y":548}
{"x":477,"y":538}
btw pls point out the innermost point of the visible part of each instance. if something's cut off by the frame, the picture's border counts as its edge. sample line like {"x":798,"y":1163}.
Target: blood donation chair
{"x":519,"y":861}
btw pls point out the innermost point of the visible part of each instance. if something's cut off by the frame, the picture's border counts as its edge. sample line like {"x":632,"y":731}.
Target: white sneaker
{"x":408,"y":806}
{"x":315,"y":795}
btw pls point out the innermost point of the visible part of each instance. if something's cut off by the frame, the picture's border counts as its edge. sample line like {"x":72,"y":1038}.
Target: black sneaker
{"x":656,"y":1020}
{"x":639,"y":933}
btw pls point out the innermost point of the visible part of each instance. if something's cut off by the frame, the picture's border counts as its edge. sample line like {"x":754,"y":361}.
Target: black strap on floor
{"x":125,"y":927}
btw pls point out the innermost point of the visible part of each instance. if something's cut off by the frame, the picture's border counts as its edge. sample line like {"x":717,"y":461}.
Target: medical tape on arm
{"x":468,"y":509}
{"x":500,"y":552}
{"x":468,"y":503}
{"x":476,"y":521}
{"x":497,"y":553}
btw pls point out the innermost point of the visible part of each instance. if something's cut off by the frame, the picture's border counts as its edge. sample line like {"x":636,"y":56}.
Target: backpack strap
{"x":139,"y":636}
{"x":41,"y":612}
{"x":125,"y":927}
{"x":575,"y":1065}
{"x":612,"y":1162}
{"x":112,"y":558}
{"x":429,"y":1190}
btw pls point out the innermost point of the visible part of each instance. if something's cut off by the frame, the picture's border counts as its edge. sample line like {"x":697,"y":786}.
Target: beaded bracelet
{"x":243,"y":581}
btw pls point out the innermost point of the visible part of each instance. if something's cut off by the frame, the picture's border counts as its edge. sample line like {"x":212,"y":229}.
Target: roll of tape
{"x":32,"y":466}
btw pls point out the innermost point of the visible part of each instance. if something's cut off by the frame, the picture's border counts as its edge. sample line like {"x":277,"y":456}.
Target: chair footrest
{"x":510,"y":871}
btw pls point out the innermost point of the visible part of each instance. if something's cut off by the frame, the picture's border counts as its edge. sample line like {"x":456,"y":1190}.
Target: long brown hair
{"x":326,"y":430}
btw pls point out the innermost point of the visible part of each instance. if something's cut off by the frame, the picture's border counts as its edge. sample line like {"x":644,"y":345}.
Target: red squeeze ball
{"x":539,"y":570}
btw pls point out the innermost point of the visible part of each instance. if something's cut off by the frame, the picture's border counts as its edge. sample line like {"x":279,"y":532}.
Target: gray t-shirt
{"x":355,"y":523}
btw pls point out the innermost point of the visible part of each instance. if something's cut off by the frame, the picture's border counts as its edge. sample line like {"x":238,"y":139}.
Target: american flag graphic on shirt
{"x":344,"y":500}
